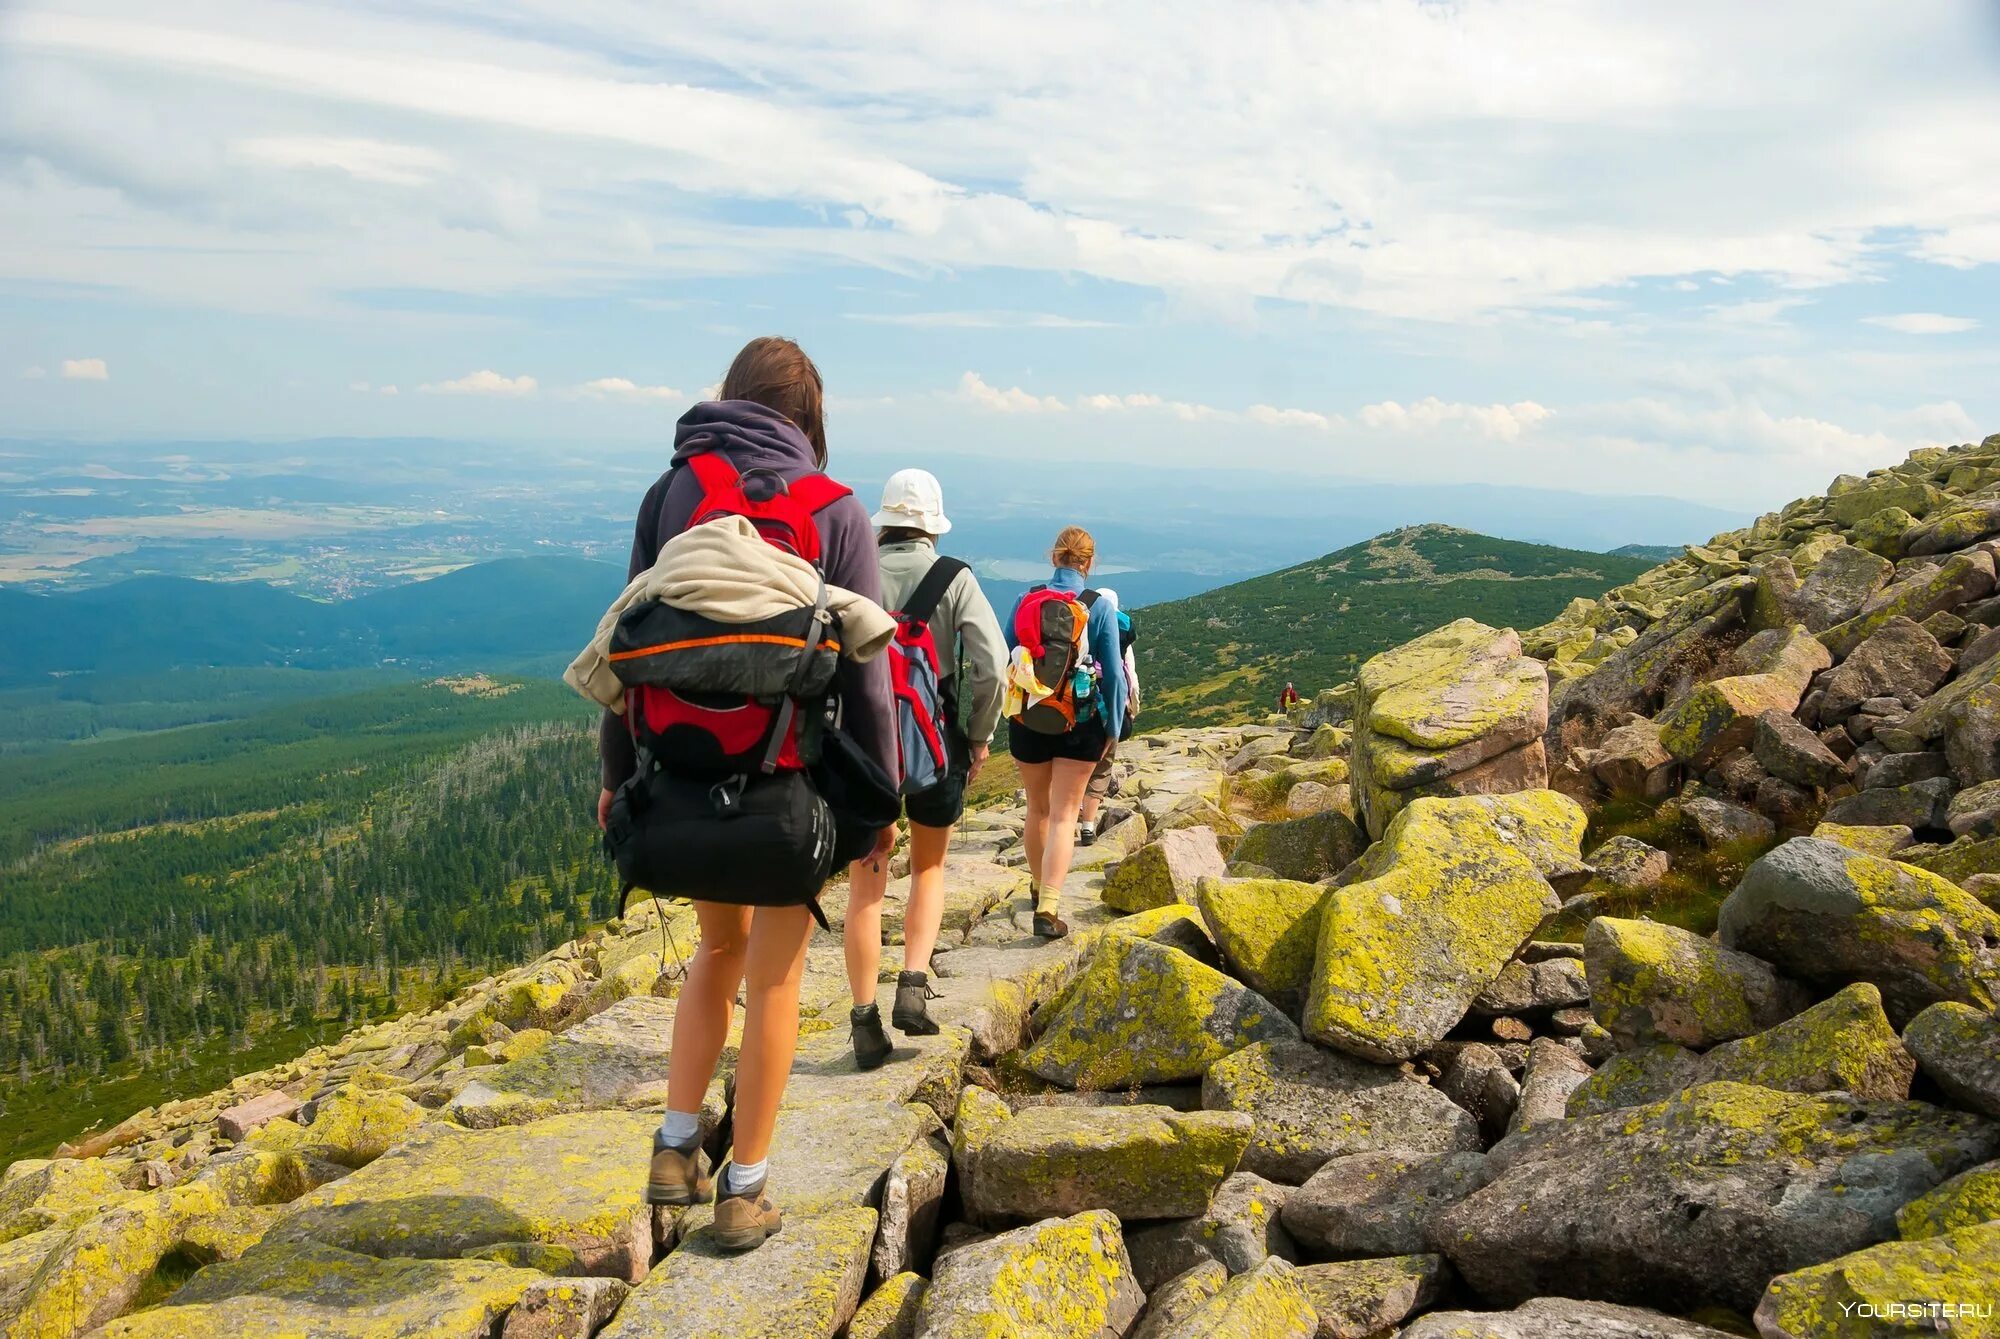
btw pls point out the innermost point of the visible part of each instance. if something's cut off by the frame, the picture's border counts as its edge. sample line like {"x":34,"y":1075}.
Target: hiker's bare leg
{"x":1035,"y":831}
{"x":1067,"y":780}
{"x":867,"y":881}
{"x":925,"y":911}
{"x":776,"y":962}
{"x":707,"y":999}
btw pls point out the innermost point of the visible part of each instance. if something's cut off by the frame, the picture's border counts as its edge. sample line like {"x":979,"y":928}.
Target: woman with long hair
{"x":1062,"y":734}
{"x":942,"y":595}
{"x":769,"y":420}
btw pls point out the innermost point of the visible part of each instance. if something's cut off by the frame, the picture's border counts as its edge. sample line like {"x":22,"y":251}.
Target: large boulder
{"x":55,"y":1283}
{"x":1554,"y":1072}
{"x":447,"y":1191}
{"x":1767,"y":673}
{"x":1436,"y":712}
{"x":1631,"y":763}
{"x":1637,"y":1078}
{"x":1842,"y":1044}
{"x":1822,"y":912}
{"x":1054,"y":1279}
{"x":1267,"y":931}
{"x":1899,"y":659}
{"x":1137,"y":1161}
{"x":1141,"y":1013}
{"x":1839,"y":583}
{"x":1359,"y":1299}
{"x":1266,"y":1303}
{"x":1559,"y":1318}
{"x":1169,"y":1306}
{"x":1958,"y":1047}
{"x":1304,"y":849}
{"x":1936,"y":1285}
{"x":1379,"y":1203}
{"x":615,"y":1056}
{"x":1717,"y":1190}
{"x":1963,"y":578}
{"x":307,"y":1289}
{"x":1456,"y":888}
{"x":1163,"y":871}
{"x":1967,"y":1200}
{"x":1311,"y":1105}
{"x":1789,"y":751}
{"x":1239,"y":1228}
{"x":1651,"y":982}
{"x":806,"y":1281}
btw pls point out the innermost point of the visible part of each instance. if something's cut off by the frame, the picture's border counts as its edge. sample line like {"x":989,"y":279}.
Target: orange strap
{"x":760,"y":638}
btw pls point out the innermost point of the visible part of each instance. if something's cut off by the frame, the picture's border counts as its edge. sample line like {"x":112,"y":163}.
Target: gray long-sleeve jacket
{"x":964,"y":629}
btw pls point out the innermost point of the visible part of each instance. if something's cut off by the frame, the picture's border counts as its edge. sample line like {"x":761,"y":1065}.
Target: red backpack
{"x":711,"y":699}
{"x":924,"y":703}
{"x":1053,"y":625}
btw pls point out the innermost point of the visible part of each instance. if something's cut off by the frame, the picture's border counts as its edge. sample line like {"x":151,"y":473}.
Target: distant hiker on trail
{"x":1288,"y":699}
{"x":1065,"y":704}
{"x":946,"y":635}
{"x":749,"y":647}
{"x":1103,"y":781}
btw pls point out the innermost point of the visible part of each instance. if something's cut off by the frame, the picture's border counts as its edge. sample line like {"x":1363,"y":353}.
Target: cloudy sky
{"x":1714,"y":250}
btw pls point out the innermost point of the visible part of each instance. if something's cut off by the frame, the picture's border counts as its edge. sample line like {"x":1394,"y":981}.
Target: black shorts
{"x":943,"y":804}
{"x":1086,"y":743}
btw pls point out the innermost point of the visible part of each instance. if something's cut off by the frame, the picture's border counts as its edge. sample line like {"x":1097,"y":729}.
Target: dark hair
{"x":901,"y":534}
{"x":774,"y":372}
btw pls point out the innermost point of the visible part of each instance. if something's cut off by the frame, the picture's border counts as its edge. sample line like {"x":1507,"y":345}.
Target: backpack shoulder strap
{"x":1088,"y":599}
{"x":923,"y":601}
{"x":814,"y":491}
{"x":713,"y":471}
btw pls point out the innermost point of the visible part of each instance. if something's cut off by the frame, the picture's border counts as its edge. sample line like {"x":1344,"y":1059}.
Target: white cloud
{"x":361,"y":387}
{"x":1273,"y":417}
{"x":980,"y":320}
{"x":1504,"y":421}
{"x":1013,"y":400}
{"x":623,"y":389}
{"x":33,"y":373}
{"x":363,"y":159}
{"x":1923,"y":323}
{"x":482,"y":382}
{"x":388,"y":390}
{"x":85,"y":369}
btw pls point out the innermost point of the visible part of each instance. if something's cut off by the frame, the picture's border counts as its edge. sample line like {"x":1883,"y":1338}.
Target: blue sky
{"x":1708,"y":250}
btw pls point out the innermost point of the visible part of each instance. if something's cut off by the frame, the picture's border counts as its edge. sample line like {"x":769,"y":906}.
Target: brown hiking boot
{"x":676,"y":1176}
{"x":912,"y":1014}
{"x":743,"y":1221}
{"x":1048,"y":925}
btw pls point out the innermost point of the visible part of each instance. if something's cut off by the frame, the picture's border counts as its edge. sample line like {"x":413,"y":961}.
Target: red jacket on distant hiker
{"x":1288,"y":699}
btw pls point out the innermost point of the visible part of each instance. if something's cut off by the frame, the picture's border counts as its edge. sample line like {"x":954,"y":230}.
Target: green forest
{"x":1220,"y":655}
{"x":175,"y":902}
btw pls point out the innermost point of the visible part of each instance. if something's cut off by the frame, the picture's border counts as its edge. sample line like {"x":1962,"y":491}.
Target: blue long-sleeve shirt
{"x":1101,"y":632}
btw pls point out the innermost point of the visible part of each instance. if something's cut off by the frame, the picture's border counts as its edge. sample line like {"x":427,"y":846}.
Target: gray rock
{"x":1138,"y":1162}
{"x":806,"y":1281}
{"x":1975,"y":812}
{"x":1479,"y":1081}
{"x":1959,"y":1048}
{"x":564,"y":1309}
{"x":1630,"y":864}
{"x":1738,"y":773}
{"x":1559,"y":1318}
{"x":1721,"y":824}
{"x":1267,"y":1302}
{"x":1379,"y":1203}
{"x":1788,"y":750}
{"x":1653,"y":982}
{"x":1524,"y":987}
{"x":1178,"y":1298}
{"x":1782,"y":802}
{"x":1554,"y":1072}
{"x":1838,"y":585}
{"x":1775,"y":1181}
{"x":1902,"y":769}
{"x":1631,"y":763}
{"x":1822,"y":912}
{"x":1068,"y":1276}
{"x":1303,"y":849}
{"x":1636,"y":1078}
{"x":912,"y":1194}
{"x":1921,"y":804}
{"x":1240,"y":1228}
{"x":1163,"y":871}
{"x":1972,"y":737}
{"x":1900,"y":657}
{"x":1311,"y":1105}
{"x":1359,"y":1299}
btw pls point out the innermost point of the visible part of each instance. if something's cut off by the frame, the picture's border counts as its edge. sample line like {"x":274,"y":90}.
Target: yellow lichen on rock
{"x":1940,"y":1284}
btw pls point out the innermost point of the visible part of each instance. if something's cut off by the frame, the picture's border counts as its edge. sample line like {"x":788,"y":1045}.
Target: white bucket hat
{"x":912,"y":499}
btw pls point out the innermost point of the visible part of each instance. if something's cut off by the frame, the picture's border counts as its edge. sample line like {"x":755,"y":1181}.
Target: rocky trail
{"x":1373,"y":1023}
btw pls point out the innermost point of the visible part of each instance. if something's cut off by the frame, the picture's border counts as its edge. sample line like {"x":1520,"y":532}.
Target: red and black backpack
{"x":925,"y":704}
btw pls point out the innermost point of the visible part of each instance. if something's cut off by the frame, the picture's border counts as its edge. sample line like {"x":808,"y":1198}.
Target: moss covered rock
{"x":57,"y":1193}
{"x":448,"y":1191}
{"x":1163,"y":872}
{"x":1772,"y":670}
{"x":95,"y":1270}
{"x":1305,"y":848}
{"x":1878,"y":841}
{"x":1959,"y":1048}
{"x":1267,"y":931}
{"x":1967,"y":1200}
{"x":1139,"y":1013}
{"x":1358,"y":1299}
{"x":616,"y":1056}
{"x":1062,"y":1278}
{"x":1269,"y":1302}
{"x":1842,"y":1044}
{"x":806,"y":1281}
{"x":1822,"y":912}
{"x":1456,"y":887}
{"x":1239,"y":1228}
{"x":890,"y":1312}
{"x":1312,"y":1105}
{"x":1379,"y":1203}
{"x":1937,"y":1285}
{"x":1651,"y":982}
{"x":301,"y":1288}
{"x":353,"y":1127}
{"x":1180,"y":1297}
{"x":1137,"y":1161}
{"x":1703,"y":1198}
{"x":1559,"y":1318}
{"x":1636,"y":1078}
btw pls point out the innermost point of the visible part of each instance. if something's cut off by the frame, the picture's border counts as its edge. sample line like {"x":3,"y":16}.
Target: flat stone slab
{"x":574,"y":1180}
{"x":803,"y":1283}
{"x":617,"y":1058}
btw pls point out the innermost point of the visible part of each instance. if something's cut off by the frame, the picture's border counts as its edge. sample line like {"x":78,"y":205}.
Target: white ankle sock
{"x":740,"y":1176}
{"x":679,"y":1128}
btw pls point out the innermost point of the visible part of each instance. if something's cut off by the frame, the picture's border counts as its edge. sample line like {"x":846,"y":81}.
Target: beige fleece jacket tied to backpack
{"x":724,"y":570}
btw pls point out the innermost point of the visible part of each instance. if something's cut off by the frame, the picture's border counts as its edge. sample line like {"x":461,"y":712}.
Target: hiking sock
{"x":1046,"y":899}
{"x":739,"y":1177}
{"x":680,"y":1130}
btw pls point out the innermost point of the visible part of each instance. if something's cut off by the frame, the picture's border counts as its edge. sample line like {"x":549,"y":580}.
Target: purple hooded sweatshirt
{"x":754,"y":437}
